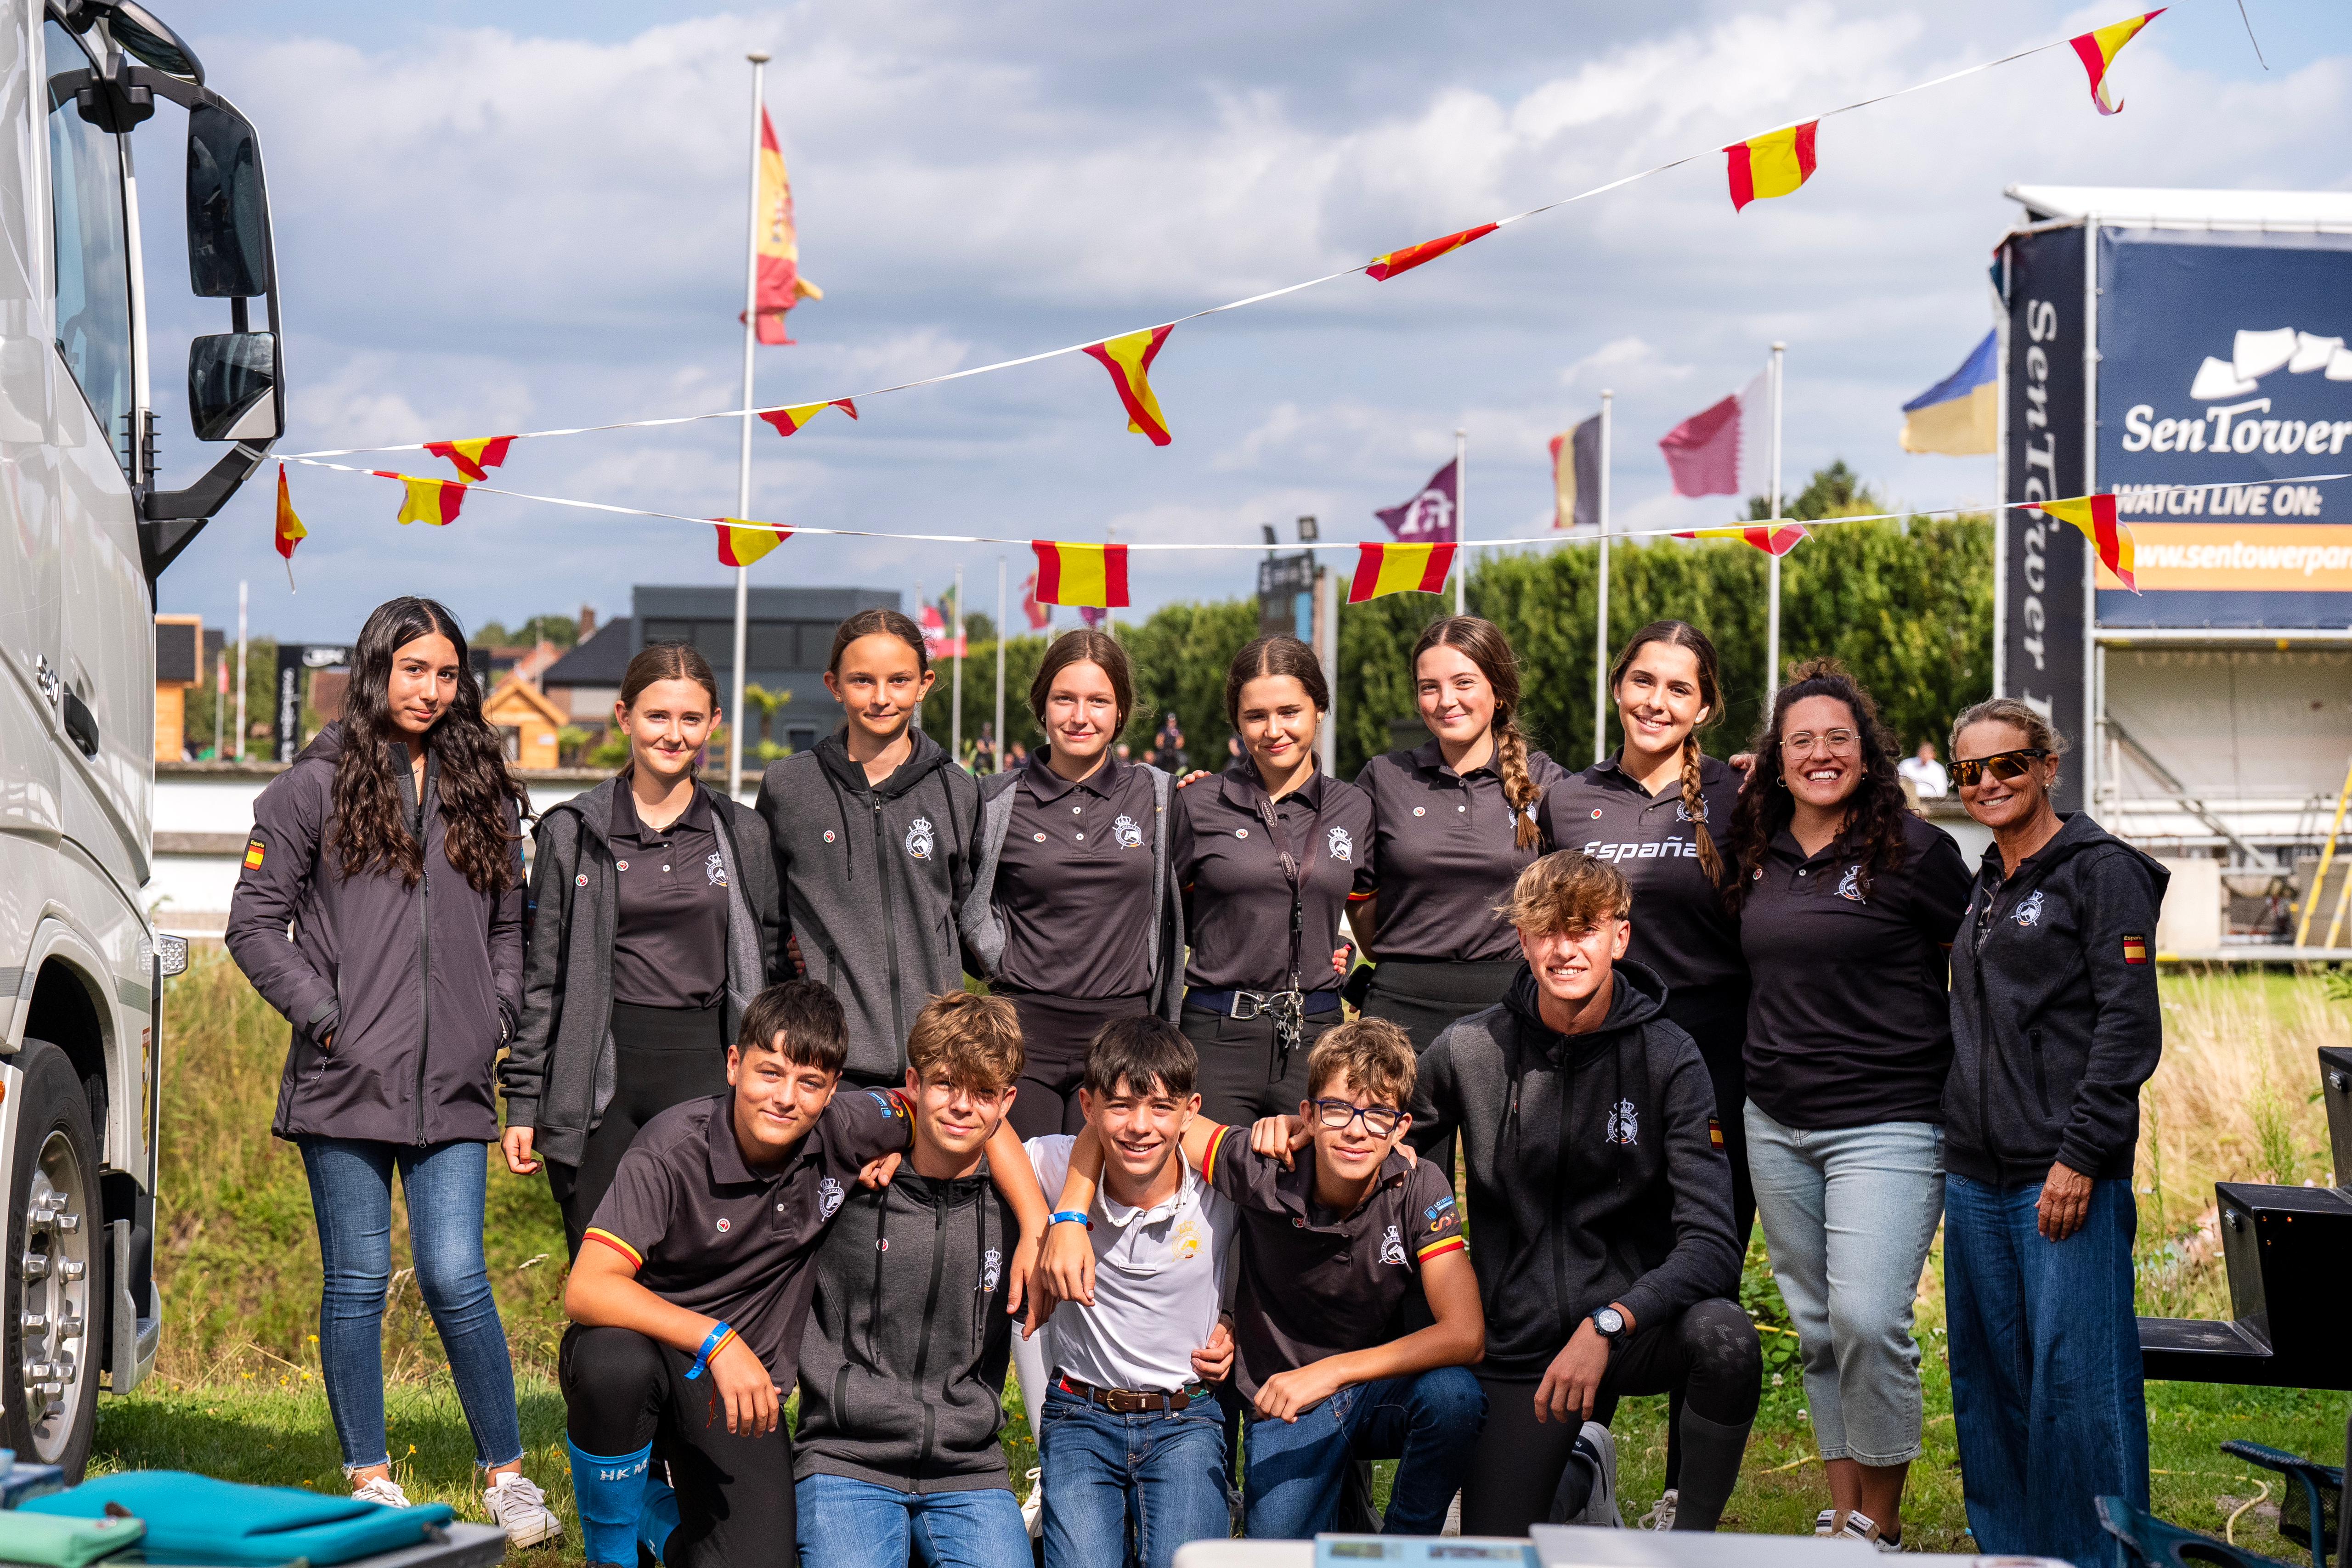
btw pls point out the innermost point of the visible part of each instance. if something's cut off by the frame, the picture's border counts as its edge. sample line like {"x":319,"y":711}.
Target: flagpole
{"x":1461,"y":521}
{"x":1002,"y":610}
{"x":758,"y":58}
{"x":1601,"y":621}
{"x":1772,"y":597}
{"x":955,"y":684}
{"x":240,"y":670}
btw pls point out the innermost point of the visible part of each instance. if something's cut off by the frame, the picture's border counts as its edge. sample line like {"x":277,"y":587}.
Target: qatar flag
{"x":1724,"y":450}
{"x":1428,"y":517}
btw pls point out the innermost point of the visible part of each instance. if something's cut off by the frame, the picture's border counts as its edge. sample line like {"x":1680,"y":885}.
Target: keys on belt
{"x":1244,"y":1006}
{"x":1134,"y":1401}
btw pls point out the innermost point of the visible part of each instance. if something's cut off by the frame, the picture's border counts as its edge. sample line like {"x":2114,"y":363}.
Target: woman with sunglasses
{"x":2055,"y":1025}
{"x":1847,"y":906}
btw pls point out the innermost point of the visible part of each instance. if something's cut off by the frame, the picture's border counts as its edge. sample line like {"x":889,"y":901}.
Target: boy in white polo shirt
{"x":1132,"y":1445}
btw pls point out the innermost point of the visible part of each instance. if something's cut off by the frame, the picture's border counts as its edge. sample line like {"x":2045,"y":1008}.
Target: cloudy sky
{"x":540,"y":222}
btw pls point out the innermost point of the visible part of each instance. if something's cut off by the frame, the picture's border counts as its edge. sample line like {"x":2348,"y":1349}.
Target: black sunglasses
{"x":2005,"y":765}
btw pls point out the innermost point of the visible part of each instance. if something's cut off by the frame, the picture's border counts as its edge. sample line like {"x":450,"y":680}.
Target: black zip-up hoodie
{"x":872,"y":878}
{"x":1595,"y":1175}
{"x":902,"y":1394}
{"x":2055,"y":1023}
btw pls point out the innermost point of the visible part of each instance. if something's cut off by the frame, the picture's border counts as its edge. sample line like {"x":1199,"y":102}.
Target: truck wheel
{"x":49,"y":1356}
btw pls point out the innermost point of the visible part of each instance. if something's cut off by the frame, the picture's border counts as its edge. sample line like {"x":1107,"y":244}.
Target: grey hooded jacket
{"x":561,"y":1072}
{"x":418,"y":985}
{"x":983,"y":926}
{"x":872,"y":876}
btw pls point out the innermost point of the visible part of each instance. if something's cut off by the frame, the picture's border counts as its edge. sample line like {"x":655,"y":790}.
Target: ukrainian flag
{"x":1956,"y":416}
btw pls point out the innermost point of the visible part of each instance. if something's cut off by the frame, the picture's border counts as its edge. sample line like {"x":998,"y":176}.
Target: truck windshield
{"x":92,"y":251}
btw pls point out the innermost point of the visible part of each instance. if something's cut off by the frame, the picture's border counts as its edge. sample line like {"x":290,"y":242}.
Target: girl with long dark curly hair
{"x":1848,"y":906}
{"x":380,"y":909}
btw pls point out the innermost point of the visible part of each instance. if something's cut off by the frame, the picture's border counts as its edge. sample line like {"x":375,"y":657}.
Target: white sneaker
{"x":1600,"y":1450}
{"x":1662,"y":1513}
{"x":518,"y":1507}
{"x":1852,"y":1525}
{"x":1033,"y":1507}
{"x":383,"y":1489}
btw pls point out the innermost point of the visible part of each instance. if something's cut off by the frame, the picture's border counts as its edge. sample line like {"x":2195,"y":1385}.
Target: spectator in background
{"x":1015,"y":754}
{"x":983,"y":750}
{"x":1925,"y":774}
{"x":1168,"y":745}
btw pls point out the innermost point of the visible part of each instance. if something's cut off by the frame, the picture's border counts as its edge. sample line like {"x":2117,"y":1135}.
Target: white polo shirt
{"x":1159,"y":1283}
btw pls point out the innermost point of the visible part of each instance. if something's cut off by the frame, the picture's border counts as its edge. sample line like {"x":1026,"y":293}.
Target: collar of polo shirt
{"x":1241,"y":788}
{"x":1297,"y":1185}
{"x":727,"y":1162}
{"x":627,"y":824}
{"x":1431,"y":759}
{"x":1120,"y":1215}
{"x":1047,"y":785}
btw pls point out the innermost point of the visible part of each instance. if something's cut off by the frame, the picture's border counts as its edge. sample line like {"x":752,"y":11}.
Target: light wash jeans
{"x":1131,"y":1490}
{"x":1848,"y":1215}
{"x":848,"y":1523}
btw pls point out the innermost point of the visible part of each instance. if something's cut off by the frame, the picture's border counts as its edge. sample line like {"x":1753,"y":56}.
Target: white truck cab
{"x":84,"y":534}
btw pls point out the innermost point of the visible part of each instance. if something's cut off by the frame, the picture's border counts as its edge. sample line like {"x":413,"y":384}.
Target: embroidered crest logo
{"x":1682,"y":812}
{"x":1129,"y":835}
{"x":715,"y":868}
{"x":829,"y":1195}
{"x":919,"y":838}
{"x":991,"y":1269}
{"x":1624,"y":1124}
{"x":1342,"y":848}
{"x":1850,"y":885}
{"x":1188,"y":1242}
{"x":1392,"y":1246}
{"x":2028,"y":914}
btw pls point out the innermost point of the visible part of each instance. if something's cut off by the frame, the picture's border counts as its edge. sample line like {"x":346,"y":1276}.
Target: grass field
{"x":237,"y":1392}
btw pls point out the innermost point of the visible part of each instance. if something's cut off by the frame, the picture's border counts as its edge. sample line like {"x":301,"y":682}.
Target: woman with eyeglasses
{"x":1847,"y":906}
{"x":2055,"y":1025}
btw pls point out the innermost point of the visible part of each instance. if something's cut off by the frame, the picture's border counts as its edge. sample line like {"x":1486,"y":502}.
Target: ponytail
{"x":1710,"y":860}
{"x":1519,"y":789}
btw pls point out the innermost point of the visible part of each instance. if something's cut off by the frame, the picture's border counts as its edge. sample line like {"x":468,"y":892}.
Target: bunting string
{"x":1381,"y":267}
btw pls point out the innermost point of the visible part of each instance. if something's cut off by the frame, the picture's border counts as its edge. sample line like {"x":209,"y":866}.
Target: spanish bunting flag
{"x":473,"y":459}
{"x":1039,"y":616}
{"x":742,"y":541}
{"x":781,"y":285}
{"x":2097,"y":50}
{"x":1772,"y":164}
{"x":1385,"y":268}
{"x":1081,"y":574}
{"x":2094,"y":515}
{"x":1772,"y":539}
{"x":434,"y":501}
{"x":1129,"y":361}
{"x":787,"y":421}
{"x":1385,"y":569}
{"x":289,"y":529}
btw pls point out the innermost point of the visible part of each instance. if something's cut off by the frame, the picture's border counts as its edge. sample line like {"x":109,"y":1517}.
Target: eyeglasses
{"x":1380,"y":1120}
{"x":1835,"y":740}
{"x":2005,"y":765}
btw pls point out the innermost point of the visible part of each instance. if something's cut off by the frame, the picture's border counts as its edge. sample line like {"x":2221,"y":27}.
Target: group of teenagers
{"x":1183,"y":1161}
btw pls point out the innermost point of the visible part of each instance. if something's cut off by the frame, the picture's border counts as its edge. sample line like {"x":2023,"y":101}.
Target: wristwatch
{"x":1610,"y":1322}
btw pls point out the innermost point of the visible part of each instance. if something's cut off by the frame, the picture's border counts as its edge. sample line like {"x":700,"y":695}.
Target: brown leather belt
{"x":1132,"y":1401}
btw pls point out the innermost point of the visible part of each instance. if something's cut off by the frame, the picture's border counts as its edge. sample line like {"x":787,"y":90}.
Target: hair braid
{"x":1710,"y":860}
{"x":1518,"y":786}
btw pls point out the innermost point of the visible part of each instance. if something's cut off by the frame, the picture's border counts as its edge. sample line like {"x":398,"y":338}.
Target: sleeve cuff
{"x":2080,"y":1156}
{"x":323,"y":1018}
{"x":1642,"y":1303}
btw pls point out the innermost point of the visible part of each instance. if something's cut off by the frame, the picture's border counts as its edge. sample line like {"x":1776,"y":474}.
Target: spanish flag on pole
{"x":1385,"y":268}
{"x":2095,"y":517}
{"x":2097,"y":50}
{"x":1772,"y":164}
{"x":1129,"y":361}
{"x":473,"y":459}
{"x":742,"y":541}
{"x":781,"y":285}
{"x":787,"y":421}
{"x":289,"y":530}
{"x":1385,"y":569}
{"x":1082,"y":574}
{"x":1771,"y":538}
{"x":434,"y":501}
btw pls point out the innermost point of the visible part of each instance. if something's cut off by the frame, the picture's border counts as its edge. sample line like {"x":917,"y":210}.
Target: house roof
{"x":2219,"y":209}
{"x":514,"y":690}
{"x":601,"y":660}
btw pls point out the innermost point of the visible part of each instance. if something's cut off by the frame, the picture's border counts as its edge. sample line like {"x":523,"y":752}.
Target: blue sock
{"x":610,"y":1490}
{"x":657,"y":1516}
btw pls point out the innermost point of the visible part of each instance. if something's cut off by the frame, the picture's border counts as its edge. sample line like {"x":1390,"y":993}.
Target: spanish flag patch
{"x":253,"y":854}
{"x":2135,"y":949}
{"x":1715,"y":1134}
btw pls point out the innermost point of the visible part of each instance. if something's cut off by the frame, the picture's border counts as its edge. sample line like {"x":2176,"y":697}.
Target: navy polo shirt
{"x":1237,"y":898}
{"x":1444,"y":852}
{"x":1073,"y":883}
{"x":1681,"y":925}
{"x":669,"y":936}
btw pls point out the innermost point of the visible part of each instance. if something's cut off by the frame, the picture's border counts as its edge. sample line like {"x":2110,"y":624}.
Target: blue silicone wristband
{"x":717,"y":1337}
{"x":1070,"y":1215}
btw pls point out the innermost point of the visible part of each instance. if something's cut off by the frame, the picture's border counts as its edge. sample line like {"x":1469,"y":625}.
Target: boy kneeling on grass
{"x":1336,"y":1241}
{"x":686,"y":1310}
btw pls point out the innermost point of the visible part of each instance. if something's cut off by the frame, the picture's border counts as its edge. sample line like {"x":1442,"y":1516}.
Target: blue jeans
{"x":1429,"y":1423}
{"x":446,"y":1185}
{"x":1848,"y":1215}
{"x":848,"y":1523}
{"x":1129,"y":1488}
{"x":2048,"y":1403}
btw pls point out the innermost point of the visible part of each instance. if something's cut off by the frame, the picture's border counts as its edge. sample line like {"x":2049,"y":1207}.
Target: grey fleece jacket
{"x":872,"y":877}
{"x":908,"y":1340}
{"x":1594,"y":1173}
{"x":2055,"y":1023}
{"x":560,"y":1072}
{"x":983,"y":927}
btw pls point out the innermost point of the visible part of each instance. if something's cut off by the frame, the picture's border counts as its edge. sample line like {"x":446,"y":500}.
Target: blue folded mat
{"x":195,"y":1519}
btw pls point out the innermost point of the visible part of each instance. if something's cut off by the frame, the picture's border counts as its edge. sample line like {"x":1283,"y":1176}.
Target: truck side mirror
{"x":229,"y":210}
{"x":233,"y":385}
